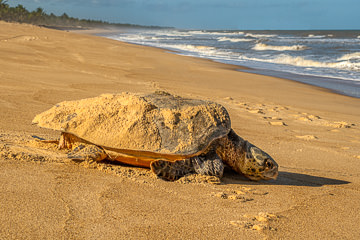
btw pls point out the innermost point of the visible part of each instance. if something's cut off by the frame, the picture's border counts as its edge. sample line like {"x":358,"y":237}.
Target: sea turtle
{"x":174,"y":136}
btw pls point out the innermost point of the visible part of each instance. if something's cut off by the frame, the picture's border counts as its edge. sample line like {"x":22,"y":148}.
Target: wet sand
{"x":313,"y":134}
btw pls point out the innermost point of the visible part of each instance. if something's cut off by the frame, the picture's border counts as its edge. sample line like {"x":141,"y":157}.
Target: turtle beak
{"x":271,"y":169}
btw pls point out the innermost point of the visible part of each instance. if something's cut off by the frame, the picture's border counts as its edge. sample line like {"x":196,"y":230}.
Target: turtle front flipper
{"x":87,"y":152}
{"x":172,"y":170}
{"x":209,"y":164}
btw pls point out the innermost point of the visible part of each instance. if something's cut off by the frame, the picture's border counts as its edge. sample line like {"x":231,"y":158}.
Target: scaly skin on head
{"x":246,"y":158}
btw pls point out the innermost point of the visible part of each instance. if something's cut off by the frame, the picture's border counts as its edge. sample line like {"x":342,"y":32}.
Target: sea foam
{"x":265,"y":47}
{"x":316,"y":36}
{"x":197,"y":32}
{"x":191,"y":48}
{"x":350,"y":56}
{"x":302,"y":62}
{"x":253,"y":35}
{"x":224,"y":39}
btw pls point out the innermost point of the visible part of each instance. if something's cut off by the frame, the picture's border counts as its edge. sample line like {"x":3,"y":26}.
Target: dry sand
{"x":313,"y":134}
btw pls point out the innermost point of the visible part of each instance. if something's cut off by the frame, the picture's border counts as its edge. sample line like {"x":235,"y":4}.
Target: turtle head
{"x":257,"y":164}
{"x":245,"y":158}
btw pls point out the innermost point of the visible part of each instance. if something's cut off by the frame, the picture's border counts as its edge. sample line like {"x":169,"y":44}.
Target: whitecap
{"x":316,"y":36}
{"x":216,"y":33}
{"x":299,"y":61}
{"x":174,"y":34}
{"x":254,"y":35}
{"x":265,"y":47}
{"x":350,"y":56}
{"x":224,"y":39}
{"x":188,"y":47}
{"x":226,"y":33}
{"x":289,"y":60}
{"x":307,"y":63}
{"x":302,"y":62}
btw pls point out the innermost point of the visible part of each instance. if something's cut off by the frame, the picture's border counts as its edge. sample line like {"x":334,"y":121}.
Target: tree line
{"x":39,"y":17}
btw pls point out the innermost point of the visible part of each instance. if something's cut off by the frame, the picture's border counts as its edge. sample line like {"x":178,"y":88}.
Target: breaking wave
{"x":253,"y":35}
{"x":224,"y":39}
{"x":316,"y":36}
{"x":265,"y":47}
{"x":174,"y":34}
{"x":302,"y":62}
{"x":350,"y":56}
{"x":188,"y":47}
{"x":216,"y":33}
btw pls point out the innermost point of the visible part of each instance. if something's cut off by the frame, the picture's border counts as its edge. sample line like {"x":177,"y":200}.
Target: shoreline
{"x":313,"y":134}
{"x":296,"y":78}
{"x":334,"y":85}
{"x":346,"y":87}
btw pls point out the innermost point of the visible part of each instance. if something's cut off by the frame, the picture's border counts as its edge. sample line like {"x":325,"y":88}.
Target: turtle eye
{"x":269,"y":164}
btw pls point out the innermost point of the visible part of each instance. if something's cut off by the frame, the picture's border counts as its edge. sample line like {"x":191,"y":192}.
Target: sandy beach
{"x":313,"y":134}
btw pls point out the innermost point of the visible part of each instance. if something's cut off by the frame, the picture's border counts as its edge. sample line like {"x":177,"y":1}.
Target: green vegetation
{"x":38,"y":17}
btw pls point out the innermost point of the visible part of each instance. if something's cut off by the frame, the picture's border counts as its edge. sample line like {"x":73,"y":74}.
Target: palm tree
{"x":4,"y":9}
{"x":3,"y":3}
{"x":40,"y":11}
{"x":21,"y":13}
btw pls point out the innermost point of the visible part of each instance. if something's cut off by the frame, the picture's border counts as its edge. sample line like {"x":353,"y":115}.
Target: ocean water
{"x":328,"y":59}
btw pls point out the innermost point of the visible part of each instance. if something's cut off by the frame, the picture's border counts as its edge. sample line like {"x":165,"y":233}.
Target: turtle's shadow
{"x":285,"y":179}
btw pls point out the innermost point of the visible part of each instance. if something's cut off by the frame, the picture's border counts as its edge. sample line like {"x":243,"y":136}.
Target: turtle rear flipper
{"x":87,"y":152}
{"x":172,"y":170}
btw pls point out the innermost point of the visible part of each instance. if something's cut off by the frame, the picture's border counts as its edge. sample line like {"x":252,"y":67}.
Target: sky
{"x":212,"y":14}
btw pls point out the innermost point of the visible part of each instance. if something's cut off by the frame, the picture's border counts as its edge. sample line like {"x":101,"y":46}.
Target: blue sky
{"x":212,"y":14}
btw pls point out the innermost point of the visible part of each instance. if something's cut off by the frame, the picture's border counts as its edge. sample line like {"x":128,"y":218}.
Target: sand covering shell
{"x":157,"y":122}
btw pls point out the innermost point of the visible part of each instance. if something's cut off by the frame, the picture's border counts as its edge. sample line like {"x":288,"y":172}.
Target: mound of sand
{"x":157,"y":122}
